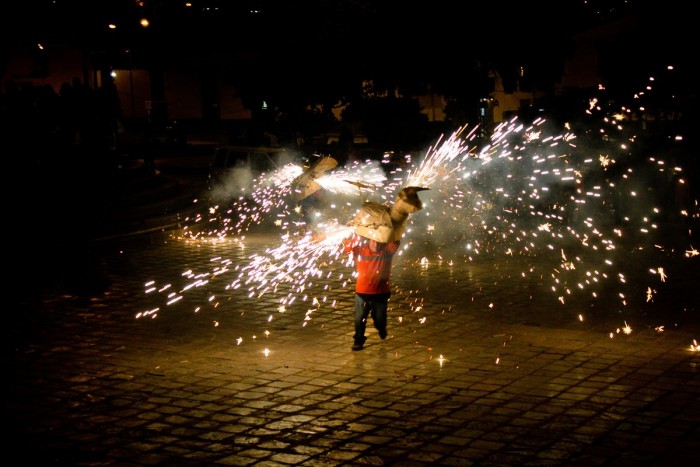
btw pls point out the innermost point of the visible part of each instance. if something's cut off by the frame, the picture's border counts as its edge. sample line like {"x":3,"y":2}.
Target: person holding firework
{"x":373,"y":262}
{"x":375,"y":240}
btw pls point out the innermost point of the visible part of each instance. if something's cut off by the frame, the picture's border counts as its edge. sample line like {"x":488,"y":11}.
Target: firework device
{"x":305,"y":184}
{"x":387,"y":224}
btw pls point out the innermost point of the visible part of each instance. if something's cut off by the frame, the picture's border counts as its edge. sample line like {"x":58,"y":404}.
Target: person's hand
{"x":346,"y":242}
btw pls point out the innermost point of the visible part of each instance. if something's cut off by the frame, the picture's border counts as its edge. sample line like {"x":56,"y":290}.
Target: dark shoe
{"x":358,"y":346}
{"x":382,"y":334}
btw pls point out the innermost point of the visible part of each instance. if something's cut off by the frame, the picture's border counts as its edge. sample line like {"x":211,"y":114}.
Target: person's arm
{"x":349,"y":244}
{"x":393,"y":246}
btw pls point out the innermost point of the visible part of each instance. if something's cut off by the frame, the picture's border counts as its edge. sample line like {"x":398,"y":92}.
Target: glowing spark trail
{"x":576,"y":217}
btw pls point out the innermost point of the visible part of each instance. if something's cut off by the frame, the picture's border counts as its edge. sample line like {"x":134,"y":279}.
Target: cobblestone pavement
{"x":480,"y":368}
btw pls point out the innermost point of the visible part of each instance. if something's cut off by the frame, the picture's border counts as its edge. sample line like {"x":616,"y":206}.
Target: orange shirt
{"x":373,"y":263}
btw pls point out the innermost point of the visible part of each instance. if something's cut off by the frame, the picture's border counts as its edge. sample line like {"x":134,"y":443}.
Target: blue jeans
{"x":369,"y":306}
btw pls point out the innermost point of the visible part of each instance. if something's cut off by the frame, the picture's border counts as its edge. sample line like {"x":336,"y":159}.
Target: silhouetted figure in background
{"x":63,"y":152}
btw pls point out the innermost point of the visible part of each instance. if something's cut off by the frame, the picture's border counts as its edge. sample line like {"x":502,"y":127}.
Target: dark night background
{"x":303,"y":50}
